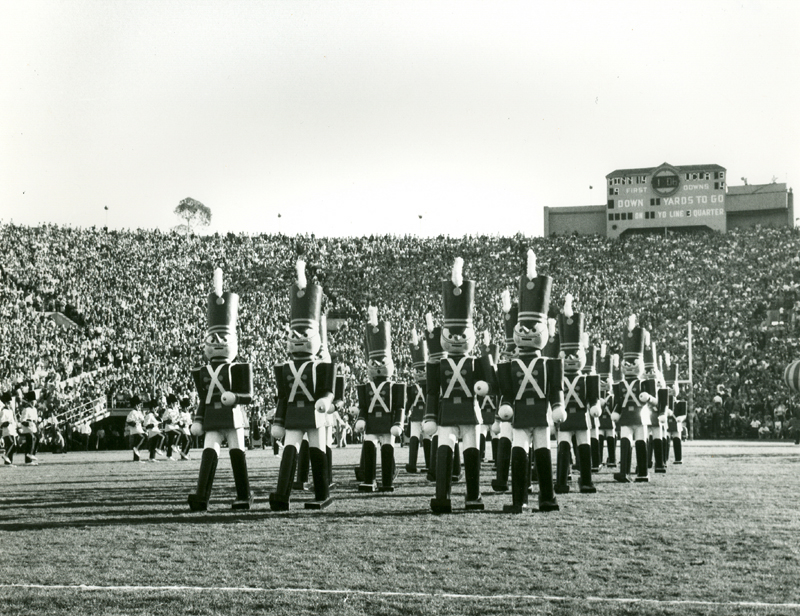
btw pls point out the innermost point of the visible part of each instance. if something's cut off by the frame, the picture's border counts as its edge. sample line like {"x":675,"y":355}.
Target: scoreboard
{"x":665,"y":197}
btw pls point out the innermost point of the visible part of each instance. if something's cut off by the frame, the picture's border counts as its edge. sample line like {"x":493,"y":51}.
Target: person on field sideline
{"x":29,"y":432}
{"x":8,"y":432}
{"x":134,"y":428}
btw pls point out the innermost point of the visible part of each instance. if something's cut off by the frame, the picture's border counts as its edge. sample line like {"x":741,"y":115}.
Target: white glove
{"x":595,"y":410}
{"x":396,"y":431}
{"x":646,"y":398}
{"x":278,"y":432}
{"x":496,"y":427}
{"x":429,"y":428}
{"x":615,"y":417}
{"x":481,"y":388}
{"x":197,"y":428}
{"x":360,"y":426}
{"x":228,"y":398}
{"x":662,"y":419}
{"x":323,"y":405}
{"x":505,"y":413}
{"x":559,"y":413}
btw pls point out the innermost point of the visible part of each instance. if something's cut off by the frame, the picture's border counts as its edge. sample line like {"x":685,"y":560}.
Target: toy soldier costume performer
{"x":452,"y":390}
{"x":676,"y":410}
{"x":629,"y":411}
{"x":580,"y":405}
{"x":656,"y":404}
{"x":531,"y":384}
{"x":607,"y":429}
{"x":8,"y":429}
{"x":503,"y":426}
{"x":594,"y":432}
{"x":381,"y":406}
{"x":415,"y":400}
{"x":222,"y":385}
{"x":305,"y":396}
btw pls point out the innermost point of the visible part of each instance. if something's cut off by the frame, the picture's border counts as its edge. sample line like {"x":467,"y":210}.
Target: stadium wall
{"x":581,"y":219}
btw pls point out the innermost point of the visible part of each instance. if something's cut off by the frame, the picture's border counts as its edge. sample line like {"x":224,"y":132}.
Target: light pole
{"x":105,"y":207}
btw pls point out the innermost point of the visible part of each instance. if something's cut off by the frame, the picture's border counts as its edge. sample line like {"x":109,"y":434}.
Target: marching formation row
{"x":546,"y":374}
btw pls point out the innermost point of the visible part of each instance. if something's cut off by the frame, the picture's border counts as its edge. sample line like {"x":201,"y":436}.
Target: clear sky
{"x":351,"y":118}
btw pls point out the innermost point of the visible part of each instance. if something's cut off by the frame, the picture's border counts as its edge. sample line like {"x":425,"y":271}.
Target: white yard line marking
{"x":324,"y":591}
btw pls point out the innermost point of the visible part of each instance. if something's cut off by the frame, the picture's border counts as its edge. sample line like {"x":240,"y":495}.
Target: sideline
{"x":370,"y":593}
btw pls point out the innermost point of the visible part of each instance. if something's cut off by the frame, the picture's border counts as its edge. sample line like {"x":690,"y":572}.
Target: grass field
{"x":92,"y":533}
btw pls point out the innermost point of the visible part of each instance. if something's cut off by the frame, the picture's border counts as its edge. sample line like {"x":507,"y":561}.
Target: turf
{"x":95,"y":533}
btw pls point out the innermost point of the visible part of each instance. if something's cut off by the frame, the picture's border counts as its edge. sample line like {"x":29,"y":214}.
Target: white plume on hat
{"x":487,"y":338}
{"x":551,"y":327}
{"x":531,"y":266}
{"x":505,"y":299}
{"x":218,"y":281}
{"x":631,"y":322}
{"x":300,"y":266}
{"x":568,"y":305}
{"x":372,"y":317}
{"x":603,"y":349}
{"x":414,"y":337}
{"x":458,"y":272}
{"x":429,"y":321}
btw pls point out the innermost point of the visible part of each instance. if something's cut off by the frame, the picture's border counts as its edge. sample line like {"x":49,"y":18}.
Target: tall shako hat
{"x":510,"y":314}
{"x":649,"y":353}
{"x":489,"y":348}
{"x":553,"y":346}
{"x":433,"y":335}
{"x":668,"y":369}
{"x":419,"y":350}
{"x":324,"y":352}
{"x":633,"y":340}
{"x":534,"y":294}
{"x":603,"y":361}
{"x":616,"y":369}
{"x":591,"y":355}
{"x":378,"y":340}
{"x":459,"y":298}
{"x":305,"y":301}
{"x":222,"y":308}
{"x":570,"y":328}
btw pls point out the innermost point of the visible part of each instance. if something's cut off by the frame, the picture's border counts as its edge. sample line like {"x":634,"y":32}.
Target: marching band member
{"x":415,"y":400}
{"x":133,"y":428}
{"x":488,"y":403}
{"x":677,"y":411}
{"x":503,"y":427}
{"x":656,"y":404}
{"x":580,"y":404}
{"x":8,"y":430}
{"x":170,"y":420}
{"x":381,"y":406}
{"x":28,"y":429}
{"x":531,"y":386}
{"x":305,"y":396}
{"x":629,"y":411}
{"x":155,"y":438}
{"x":436,"y":354}
{"x":186,"y":429}
{"x":222,"y":385}
{"x":588,"y":369}
{"x":607,"y":430}
{"x":452,"y":390}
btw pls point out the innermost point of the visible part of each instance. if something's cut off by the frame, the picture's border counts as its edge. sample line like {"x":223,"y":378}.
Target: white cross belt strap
{"x":572,"y":394}
{"x":376,"y":397}
{"x":215,"y":382}
{"x":298,"y":380}
{"x":629,"y":393}
{"x":527,"y":372}
{"x":420,"y":397}
{"x":457,"y":378}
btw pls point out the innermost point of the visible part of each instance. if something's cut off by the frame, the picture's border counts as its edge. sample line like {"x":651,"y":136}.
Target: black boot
{"x":279,"y":499}
{"x":595,"y":455}
{"x":678,"y":446}
{"x":208,"y":468}
{"x":302,"y":467}
{"x":585,"y":464}
{"x":370,"y":466}
{"x":457,"y":463}
{"x":563,"y":463}
{"x":472,"y":473}
{"x":500,"y":482}
{"x":642,"y":476}
{"x":495,"y":443}
{"x":658,"y":450}
{"x":624,"y":461}
{"x":444,"y":477}
{"x":520,"y":466}
{"x":649,"y":452}
{"x":387,"y":468}
{"x":426,"y":452}
{"x":482,"y":447}
{"x":611,"y":461}
{"x":318,"y":460}
{"x":360,"y":467}
{"x":431,"y":476}
{"x":244,"y":497}
{"x":665,"y":442}
{"x":413,"y":451}
{"x":544,"y":466}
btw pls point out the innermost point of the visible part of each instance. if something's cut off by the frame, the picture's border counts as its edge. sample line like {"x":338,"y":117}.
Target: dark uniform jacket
{"x":381,"y":405}
{"x":626,"y":400}
{"x":531,"y":385}
{"x":581,"y":392}
{"x":300,"y":384}
{"x":211,"y":381}
{"x":451,"y":386}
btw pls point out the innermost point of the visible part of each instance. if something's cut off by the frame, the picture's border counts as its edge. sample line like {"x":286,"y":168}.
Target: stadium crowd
{"x":89,"y":313}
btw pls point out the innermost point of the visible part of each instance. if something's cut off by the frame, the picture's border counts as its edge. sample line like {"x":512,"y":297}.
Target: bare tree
{"x":194,"y":213}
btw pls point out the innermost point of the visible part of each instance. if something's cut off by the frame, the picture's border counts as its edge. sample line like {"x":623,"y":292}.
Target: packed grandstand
{"x":89,"y":314}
